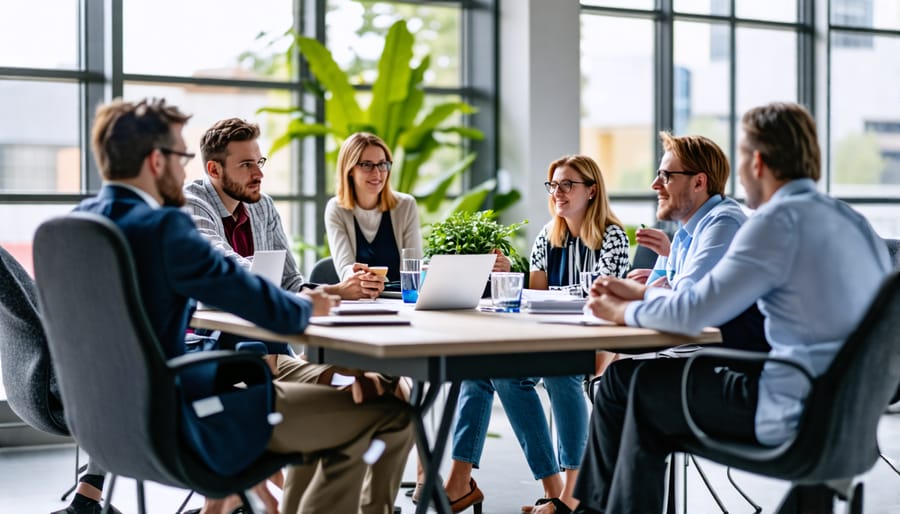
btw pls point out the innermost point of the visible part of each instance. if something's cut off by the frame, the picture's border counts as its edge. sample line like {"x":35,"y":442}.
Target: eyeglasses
{"x":565,"y":185}
{"x":369,"y":166}
{"x":184,"y":157}
{"x":259,"y":164}
{"x":666,"y":175}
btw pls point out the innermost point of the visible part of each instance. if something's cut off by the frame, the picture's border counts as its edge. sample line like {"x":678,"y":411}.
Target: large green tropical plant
{"x":397,"y":114}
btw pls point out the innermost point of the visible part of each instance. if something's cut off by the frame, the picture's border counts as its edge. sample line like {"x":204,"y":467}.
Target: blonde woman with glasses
{"x":368,"y":223}
{"x":584,"y":235}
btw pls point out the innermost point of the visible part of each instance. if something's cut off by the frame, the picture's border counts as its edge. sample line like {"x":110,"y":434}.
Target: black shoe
{"x":89,"y":507}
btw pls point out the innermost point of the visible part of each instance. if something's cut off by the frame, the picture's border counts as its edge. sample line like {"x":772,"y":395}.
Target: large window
{"x":214,"y":59}
{"x":714,"y":59}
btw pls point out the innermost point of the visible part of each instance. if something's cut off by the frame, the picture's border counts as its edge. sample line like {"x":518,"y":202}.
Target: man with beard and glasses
{"x":141,"y":154}
{"x":232,"y":212}
{"x":690,"y":189}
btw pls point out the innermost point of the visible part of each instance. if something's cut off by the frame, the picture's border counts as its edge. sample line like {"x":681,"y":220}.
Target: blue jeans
{"x":473,"y":413}
{"x":526,"y":416}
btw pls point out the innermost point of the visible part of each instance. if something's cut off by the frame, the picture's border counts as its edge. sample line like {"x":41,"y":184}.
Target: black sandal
{"x":558,"y":506}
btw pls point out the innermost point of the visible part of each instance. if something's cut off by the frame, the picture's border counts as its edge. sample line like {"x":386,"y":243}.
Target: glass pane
{"x":865,"y":117}
{"x":879,"y":14}
{"x":885,"y":218}
{"x":774,"y":10}
{"x":39,"y":142}
{"x":16,"y":238}
{"x":40,"y":34}
{"x":717,"y":7}
{"x":208,"y":105}
{"x":355,"y":33}
{"x":617,"y":100}
{"x":207,"y":38}
{"x":702,"y":53}
{"x":624,"y":4}
{"x":763,"y":53}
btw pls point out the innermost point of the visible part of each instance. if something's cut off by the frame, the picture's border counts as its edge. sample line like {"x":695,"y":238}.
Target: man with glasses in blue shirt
{"x":232,"y":212}
{"x":811,"y":262}
{"x":690,"y":189}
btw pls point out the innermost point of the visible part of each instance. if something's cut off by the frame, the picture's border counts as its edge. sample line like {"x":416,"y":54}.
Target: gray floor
{"x":31,"y":480}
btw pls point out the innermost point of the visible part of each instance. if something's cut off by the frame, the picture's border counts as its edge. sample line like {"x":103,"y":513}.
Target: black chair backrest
{"x":119,"y":397}
{"x":848,"y":400}
{"x":323,"y":272}
{"x":837,"y":435}
{"x":31,"y":388}
{"x":644,"y":258}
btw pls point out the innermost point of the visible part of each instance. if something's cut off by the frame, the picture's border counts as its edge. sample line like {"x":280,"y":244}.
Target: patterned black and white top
{"x":563,"y":265}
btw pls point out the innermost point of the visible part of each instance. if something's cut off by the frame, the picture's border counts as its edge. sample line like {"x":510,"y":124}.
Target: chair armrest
{"x":220,"y":356}
{"x":756,"y":453}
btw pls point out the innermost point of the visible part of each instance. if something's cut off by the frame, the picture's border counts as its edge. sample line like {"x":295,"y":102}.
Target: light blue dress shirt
{"x":813,"y":263}
{"x":700,"y":243}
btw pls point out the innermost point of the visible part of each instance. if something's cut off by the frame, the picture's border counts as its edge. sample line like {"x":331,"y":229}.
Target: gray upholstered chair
{"x":121,"y":394}
{"x":323,"y":272}
{"x":836,"y":440}
{"x":31,"y":389}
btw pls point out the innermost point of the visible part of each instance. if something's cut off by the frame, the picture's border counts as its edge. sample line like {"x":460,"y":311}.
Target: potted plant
{"x":474,"y":233}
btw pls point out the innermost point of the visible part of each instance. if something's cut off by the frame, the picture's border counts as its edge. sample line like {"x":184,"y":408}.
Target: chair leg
{"x":756,"y":508}
{"x":142,"y":508}
{"x":888,"y":462}
{"x":808,"y":499}
{"x":855,"y":503}
{"x":109,"y":493}
{"x":185,"y":502}
{"x":79,"y":469}
{"x":709,"y":486}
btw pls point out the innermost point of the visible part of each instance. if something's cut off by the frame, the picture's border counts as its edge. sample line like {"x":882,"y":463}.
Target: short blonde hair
{"x":599,"y":215}
{"x":348,"y":158}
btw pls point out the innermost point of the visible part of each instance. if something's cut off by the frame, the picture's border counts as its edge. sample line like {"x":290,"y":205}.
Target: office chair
{"x":121,"y":395}
{"x":323,"y":272}
{"x":836,"y":440}
{"x":31,"y":388}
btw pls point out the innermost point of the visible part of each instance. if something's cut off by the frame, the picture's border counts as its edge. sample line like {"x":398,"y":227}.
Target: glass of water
{"x":410,"y":273}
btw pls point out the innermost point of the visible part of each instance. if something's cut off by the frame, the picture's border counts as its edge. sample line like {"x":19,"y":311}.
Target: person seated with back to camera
{"x":583,"y":235}
{"x":141,"y":153}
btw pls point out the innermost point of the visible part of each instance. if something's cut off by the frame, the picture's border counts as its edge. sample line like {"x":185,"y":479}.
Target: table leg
{"x":431,"y":456}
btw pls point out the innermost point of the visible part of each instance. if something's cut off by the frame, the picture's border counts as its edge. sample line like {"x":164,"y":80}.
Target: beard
{"x":170,"y":189}
{"x":239,"y":191}
{"x":677,"y":206}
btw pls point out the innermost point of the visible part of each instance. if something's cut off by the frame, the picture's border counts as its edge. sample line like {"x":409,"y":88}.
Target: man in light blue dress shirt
{"x":813,"y":265}
{"x":690,"y":189}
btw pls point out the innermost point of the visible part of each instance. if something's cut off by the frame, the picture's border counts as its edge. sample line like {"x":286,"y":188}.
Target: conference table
{"x":440,"y":347}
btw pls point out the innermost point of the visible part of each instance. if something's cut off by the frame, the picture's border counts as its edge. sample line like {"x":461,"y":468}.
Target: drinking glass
{"x":587,"y":279}
{"x":506,"y":290}
{"x":410,"y":273}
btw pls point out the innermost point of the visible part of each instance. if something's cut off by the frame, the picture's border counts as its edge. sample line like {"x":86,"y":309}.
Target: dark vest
{"x":382,"y":251}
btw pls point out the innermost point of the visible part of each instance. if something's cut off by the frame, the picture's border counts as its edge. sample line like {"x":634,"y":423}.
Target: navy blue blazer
{"x":175,"y":264}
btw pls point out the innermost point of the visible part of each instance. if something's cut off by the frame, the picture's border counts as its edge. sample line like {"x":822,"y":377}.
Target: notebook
{"x":269,"y":264}
{"x":454,"y":281}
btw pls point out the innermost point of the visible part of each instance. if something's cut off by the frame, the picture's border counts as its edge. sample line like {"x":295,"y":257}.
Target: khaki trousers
{"x":319,"y":417}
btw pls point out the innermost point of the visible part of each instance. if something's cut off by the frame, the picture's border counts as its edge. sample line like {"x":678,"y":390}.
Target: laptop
{"x":454,"y":281}
{"x":269,"y":264}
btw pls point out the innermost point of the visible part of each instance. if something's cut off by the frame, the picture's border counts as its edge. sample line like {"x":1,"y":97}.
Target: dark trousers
{"x":637,"y":421}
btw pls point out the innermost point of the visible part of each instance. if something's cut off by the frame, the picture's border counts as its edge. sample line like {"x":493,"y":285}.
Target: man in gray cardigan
{"x":231,"y":211}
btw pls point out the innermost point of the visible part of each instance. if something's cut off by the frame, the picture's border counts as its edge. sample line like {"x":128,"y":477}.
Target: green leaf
{"x":465,"y":132}
{"x":298,"y":129}
{"x":435,"y":192}
{"x":392,"y":84}
{"x":341,"y":107}
{"x":472,"y":200}
{"x":503,"y":201}
{"x":418,"y":134}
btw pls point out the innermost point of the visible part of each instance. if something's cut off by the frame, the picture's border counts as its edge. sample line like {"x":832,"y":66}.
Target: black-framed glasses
{"x":565,"y":185}
{"x":184,"y":157}
{"x":665,"y":175}
{"x":369,"y":166}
